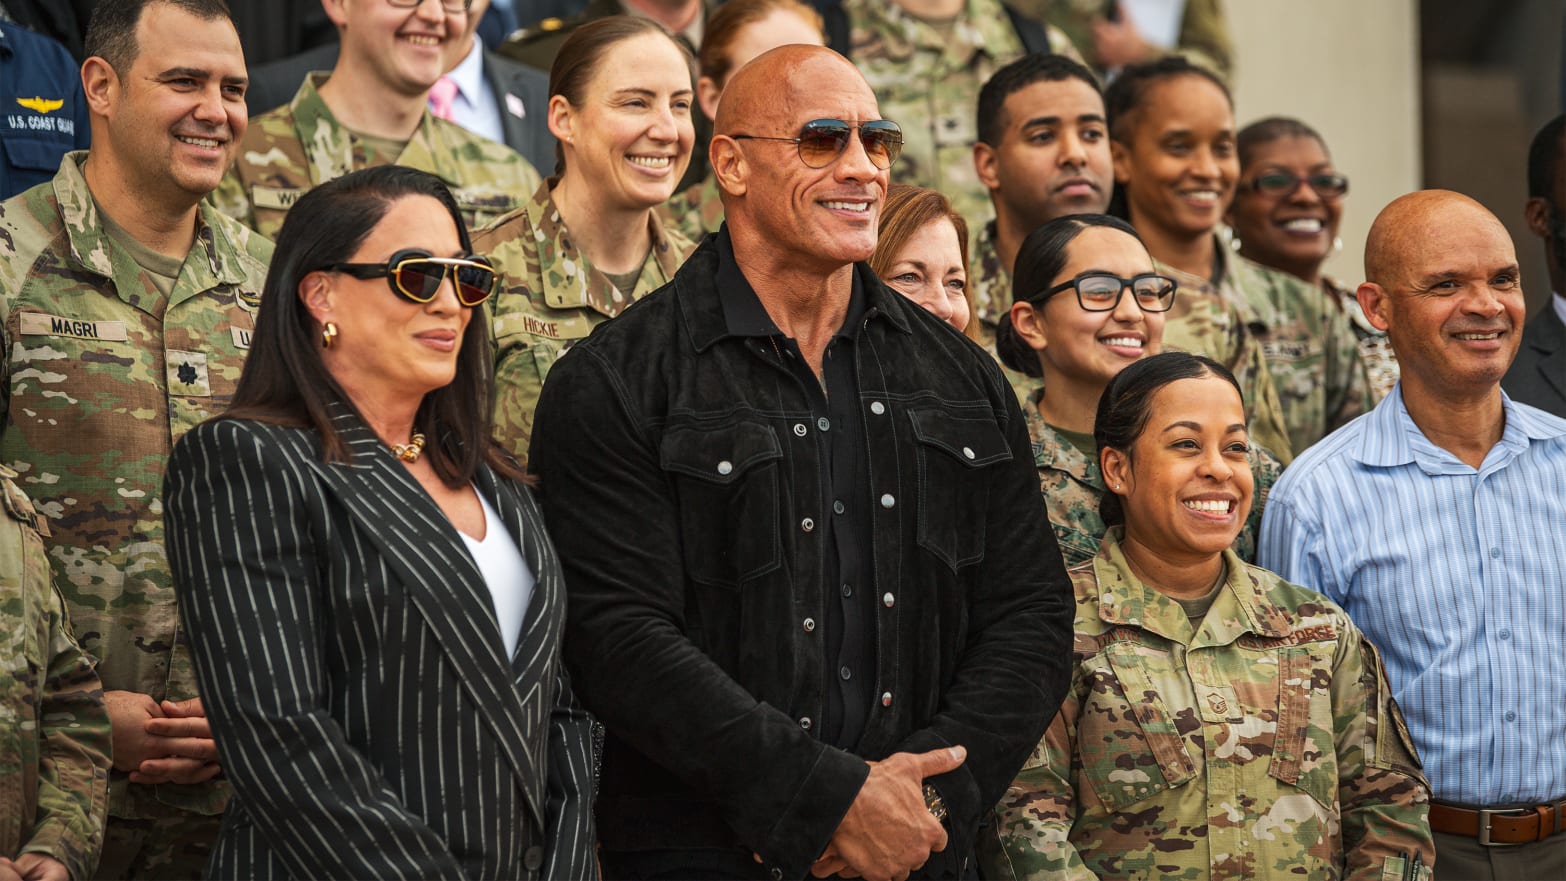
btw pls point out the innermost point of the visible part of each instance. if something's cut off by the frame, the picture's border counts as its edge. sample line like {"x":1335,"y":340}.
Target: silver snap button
{"x":800,"y":429}
{"x":967,"y":452}
{"x":877,"y":407}
{"x":845,"y":673}
{"x":887,"y":501}
{"x":807,"y":524}
{"x":725,"y":467}
{"x":810,"y":625}
{"x":837,"y":508}
{"x":805,"y":723}
{"x":824,"y":423}
{"x":886,"y":699}
{"x":888,"y":600}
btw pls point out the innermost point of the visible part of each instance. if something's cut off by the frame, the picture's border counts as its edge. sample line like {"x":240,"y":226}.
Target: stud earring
{"x":1234,"y":243}
{"x":1337,"y":243}
{"x":328,"y":335}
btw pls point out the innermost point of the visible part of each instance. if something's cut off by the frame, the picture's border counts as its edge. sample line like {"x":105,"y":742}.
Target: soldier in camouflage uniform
{"x":927,"y":76}
{"x":371,"y":110}
{"x":1203,"y":37}
{"x":1261,"y":741}
{"x":1310,"y":350}
{"x":1375,"y":349}
{"x":128,"y":306}
{"x":550,"y":296}
{"x":54,"y":743}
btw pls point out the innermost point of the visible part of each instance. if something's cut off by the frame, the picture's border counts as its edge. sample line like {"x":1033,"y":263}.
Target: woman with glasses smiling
{"x":1089,"y":304}
{"x":373,"y":605}
{"x":1285,"y":216}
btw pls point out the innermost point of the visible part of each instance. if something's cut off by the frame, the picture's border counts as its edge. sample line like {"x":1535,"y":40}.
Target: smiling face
{"x":389,"y":348}
{"x":928,"y":270}
{"x":1053,"y":158}
{"x":403,"y":49}
{"x":630,"y":140}
{"x":175,"y":117}
{"x":1088,"y":349}
{"x":1186,"y":484}
{"x":1179,"y":164}
{"x":1293,"y":233}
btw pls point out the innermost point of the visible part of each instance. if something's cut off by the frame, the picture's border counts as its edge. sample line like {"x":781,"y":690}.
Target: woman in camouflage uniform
{"x":1078,"y":344}
{"x":589,"y":242}
{"x":1221,"y":722}
{"x":1285,"y":215}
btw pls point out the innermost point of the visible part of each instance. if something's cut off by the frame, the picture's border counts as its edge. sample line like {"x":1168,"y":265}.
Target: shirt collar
{"x":1559,"y":302}
{"x":743,"y":313}
{"x":1392,"y":438}
{"x":469,"y":73}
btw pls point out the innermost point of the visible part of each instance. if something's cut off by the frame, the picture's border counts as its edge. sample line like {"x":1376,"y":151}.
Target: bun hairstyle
{"x":1126,"y":98}
{"x":730,"y":20}
{"x":1127,"y":404}
{"x":1042,"y":257}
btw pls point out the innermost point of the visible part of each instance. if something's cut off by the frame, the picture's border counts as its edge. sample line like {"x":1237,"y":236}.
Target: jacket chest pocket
{"x":726,"y":481}
{"x":1304,"y":753}
{"x":953,"y":483}
{"x":1130,"y":746}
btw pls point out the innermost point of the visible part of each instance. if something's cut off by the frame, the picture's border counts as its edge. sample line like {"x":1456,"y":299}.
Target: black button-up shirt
{"x":848,"y":614}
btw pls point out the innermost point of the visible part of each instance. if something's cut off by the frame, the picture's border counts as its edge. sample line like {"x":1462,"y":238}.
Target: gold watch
{"x":934,"y":803}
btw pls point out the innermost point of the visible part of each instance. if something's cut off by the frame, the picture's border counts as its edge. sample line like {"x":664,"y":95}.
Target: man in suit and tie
{"x":1538,"y":376}
{"x":814,"y":596}
{"x":494,"y":96}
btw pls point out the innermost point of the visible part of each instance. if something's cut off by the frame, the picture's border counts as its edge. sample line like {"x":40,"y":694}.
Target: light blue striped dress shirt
{"x":1457,"y":575}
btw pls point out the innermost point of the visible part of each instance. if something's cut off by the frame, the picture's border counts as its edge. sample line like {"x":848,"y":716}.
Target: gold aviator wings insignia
{"x":42,"y":105}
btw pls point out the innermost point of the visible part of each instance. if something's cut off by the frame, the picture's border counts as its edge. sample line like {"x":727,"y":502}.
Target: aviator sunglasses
{"x":416,"y":275}
{"x":821,"y":141}
{"x":1101,"y":291}
{"x":1327,"y":184}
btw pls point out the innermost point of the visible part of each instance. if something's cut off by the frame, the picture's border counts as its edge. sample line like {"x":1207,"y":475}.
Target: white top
{"x":1560,"y":307}
{"x":505,"y":572}
{"x":475,"y":107}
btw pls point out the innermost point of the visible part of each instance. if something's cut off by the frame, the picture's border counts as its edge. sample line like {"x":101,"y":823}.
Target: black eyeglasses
{"x":1101,"y":291}
{"x":416,"y":276}
{"x":1327,"y":184}
{"x":448,"y":5}
{"x":821,"y":141}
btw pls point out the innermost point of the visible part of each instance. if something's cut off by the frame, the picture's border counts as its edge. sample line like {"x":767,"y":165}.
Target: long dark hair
{"x":1127,"y":404}
{"x":1126,"y":99}
{"x":1042,"y":257}
{"x":285,"y":382}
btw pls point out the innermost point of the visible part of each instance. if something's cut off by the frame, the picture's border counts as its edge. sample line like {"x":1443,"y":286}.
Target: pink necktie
{"x":441,"y":95}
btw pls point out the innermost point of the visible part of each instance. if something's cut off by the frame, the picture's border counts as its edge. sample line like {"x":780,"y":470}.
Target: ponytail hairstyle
{"x":1126,"y":99}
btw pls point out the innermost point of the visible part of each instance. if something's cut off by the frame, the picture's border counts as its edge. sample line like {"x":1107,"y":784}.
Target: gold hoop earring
{"x":328,"y":335}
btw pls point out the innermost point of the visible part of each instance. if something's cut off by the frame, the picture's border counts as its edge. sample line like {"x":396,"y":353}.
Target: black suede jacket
{"x":680,"y":482}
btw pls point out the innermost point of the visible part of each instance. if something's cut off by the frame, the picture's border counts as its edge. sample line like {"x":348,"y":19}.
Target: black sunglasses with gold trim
{"x":417,"y":275}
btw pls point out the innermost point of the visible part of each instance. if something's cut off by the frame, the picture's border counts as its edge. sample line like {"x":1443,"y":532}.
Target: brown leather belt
{"x":1502,"y":826}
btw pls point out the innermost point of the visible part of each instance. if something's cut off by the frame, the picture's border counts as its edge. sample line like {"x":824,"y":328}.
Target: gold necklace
{"x":410,"y":451}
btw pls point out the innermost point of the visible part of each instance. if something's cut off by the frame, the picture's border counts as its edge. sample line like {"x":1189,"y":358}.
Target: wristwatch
{"x":934,"y":803}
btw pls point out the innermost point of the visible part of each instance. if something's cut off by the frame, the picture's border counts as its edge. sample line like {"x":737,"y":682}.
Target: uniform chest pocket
{"x":1130,"y":745}
{"x":954,"y":453}
{"x":725,"y":481}
{"x":1305,"y":752}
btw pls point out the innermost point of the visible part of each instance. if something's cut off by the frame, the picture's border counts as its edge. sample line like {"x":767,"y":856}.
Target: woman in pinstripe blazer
{"x":374,"y":607}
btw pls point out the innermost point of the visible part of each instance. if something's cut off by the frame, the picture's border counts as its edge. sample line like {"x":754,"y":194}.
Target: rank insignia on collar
{"x":248,"y":300}
{"x":42,"y":105}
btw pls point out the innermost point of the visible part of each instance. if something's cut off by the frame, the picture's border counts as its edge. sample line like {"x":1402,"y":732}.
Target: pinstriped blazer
{"x":354,"y":673}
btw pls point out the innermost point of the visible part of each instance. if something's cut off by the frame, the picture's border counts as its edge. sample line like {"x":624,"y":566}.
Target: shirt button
{"x":1511,"y":716}
{"x":1495,"y":552}
{"x":810,"y":625}
{"x":533,"y":858}
{"x":1505,"y":634}
{"x":824,"y":424}
{"x":877,"y":407}
{"x":805,"y":723}
{"x":887,"y":600}
{"x":777,"y":874}
{"x":837,"y":508}
{"x":800,"y":429}
{"x":886,"y":699}
{"x":845,"y":673}
{"x":807,"y":524}
{"x":848,"y":590}
{"x":725,"y":467}
{"x":967,"y":452}
{"x":888,"y":501}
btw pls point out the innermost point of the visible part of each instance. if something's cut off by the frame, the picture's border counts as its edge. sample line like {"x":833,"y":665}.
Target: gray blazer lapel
{"x":1551,"y":346}
{"x":444,"y":583}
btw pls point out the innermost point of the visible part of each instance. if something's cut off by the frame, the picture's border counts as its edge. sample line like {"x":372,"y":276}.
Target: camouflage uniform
{"x":1375,"y":349}
{"x":1264,"y":745}
{"x":1200,"y":322}
{"x":1073,"y":487}
{"x":296,"y":147}
{"x":1204,"y":32}
{"x":54,"y":730}
{"x":1310,"y":351}
{"x":694,"y":211}
{"x":549,"y":297}
{"x":98,"y":377}
{"x":929,"y":83}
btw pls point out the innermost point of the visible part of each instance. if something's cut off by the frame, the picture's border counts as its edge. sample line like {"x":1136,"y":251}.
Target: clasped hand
{"x":888,"y":832}
{"x":168,"y":742}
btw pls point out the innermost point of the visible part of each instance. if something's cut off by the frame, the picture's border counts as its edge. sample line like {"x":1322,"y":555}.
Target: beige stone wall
{"x":1349,"y":68}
